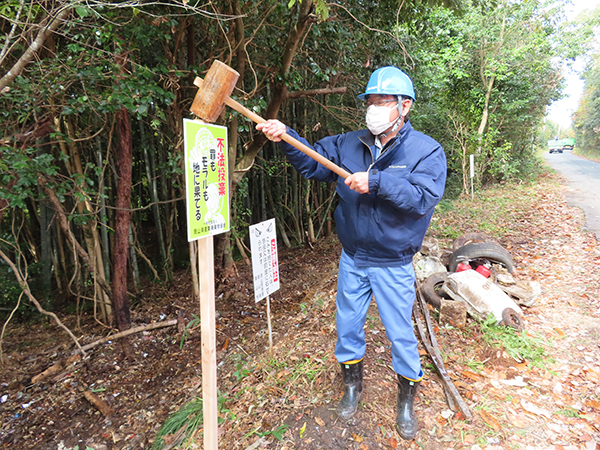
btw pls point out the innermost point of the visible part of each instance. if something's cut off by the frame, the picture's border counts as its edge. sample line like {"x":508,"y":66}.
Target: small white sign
{"x":472,"y":165}
{"x":265,"y":266}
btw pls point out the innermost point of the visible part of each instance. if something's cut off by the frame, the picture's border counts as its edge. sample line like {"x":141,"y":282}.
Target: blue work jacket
{"x":385,"y":227}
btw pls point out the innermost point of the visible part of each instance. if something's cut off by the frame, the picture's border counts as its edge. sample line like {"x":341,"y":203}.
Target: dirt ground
{"x":286,"y":399}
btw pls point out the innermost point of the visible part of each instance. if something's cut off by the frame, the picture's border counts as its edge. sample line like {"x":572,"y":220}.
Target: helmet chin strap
{"x":398,"y":124}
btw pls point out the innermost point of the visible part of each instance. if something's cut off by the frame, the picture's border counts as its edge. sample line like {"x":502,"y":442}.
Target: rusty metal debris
{"x":427,"y":335}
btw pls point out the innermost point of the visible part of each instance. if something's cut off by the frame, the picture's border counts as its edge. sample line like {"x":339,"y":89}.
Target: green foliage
{"x":186,"y":333}
{"x":189,"y":418}
{"x":183,"y":424}
{"x":496,"y":49}
{"x":587,"y":116}
{"x":23,"y":168}
{"x":277,"y":433}
{"x":240,"y":371}
{"x":519,"y":345}
{"x":568,"y":412}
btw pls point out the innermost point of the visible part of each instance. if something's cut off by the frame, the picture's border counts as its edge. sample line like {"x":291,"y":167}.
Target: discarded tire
{"x":431,"y":289}
{"x":470,"y":238}
{"x":512,"y":319}
{"x":492,"y":252}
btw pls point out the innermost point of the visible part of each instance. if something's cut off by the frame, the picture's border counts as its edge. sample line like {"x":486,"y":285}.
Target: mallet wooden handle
{"x":285,"y":137}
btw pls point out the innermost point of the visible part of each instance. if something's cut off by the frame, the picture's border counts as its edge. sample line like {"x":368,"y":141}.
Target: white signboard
{"x":265,"y":267}
{"x":472,"y":165}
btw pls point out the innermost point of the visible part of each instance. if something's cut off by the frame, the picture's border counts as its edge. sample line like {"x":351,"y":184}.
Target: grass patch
{"x":519,"y":345}
{"x":180,"y":428}
{"x":568,"y":412}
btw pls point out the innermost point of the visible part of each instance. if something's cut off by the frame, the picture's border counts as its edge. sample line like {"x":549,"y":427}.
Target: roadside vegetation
{"x":585,"y":120}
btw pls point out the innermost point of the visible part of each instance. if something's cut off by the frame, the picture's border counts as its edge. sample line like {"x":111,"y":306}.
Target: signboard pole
{"x":207,"y":204}
{"x":269,"y":324}
{"x":209,"y":342}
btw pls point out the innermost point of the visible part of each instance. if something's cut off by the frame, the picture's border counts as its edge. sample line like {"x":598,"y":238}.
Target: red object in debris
{"x":483,"y":271}
{"x":462,"y":267}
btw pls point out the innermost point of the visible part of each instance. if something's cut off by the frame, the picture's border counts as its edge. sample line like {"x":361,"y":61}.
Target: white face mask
{"x":378,"y":118}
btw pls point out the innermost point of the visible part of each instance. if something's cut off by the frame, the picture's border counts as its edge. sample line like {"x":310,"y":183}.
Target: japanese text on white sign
{"x":265,"y":266}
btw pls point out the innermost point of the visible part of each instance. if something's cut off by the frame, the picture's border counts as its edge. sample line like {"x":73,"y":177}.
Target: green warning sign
{"x":206,"y":179}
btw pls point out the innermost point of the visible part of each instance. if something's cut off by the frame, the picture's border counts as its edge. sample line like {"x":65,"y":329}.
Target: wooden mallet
{"x":213,"y":95}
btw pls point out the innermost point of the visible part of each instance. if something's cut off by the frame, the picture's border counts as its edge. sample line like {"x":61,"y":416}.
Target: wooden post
{"x":209,"y":341}
{"x":269,"y":325}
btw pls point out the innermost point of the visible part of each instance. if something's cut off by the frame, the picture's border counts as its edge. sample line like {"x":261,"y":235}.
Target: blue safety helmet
{"x":389,"y":80}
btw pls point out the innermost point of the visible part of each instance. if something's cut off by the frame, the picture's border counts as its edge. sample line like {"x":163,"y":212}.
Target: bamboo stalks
{"x":103,"y":215}
{"x":153,"y":188}
{"x":90,"y":227}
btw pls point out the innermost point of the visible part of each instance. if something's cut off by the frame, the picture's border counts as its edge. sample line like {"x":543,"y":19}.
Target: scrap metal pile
{"x":476,"y":279}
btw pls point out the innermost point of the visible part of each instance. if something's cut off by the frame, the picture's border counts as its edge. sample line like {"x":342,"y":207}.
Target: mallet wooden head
{"x":214,"y":89}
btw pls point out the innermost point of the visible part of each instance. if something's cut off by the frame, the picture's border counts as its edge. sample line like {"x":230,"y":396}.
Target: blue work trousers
{"x":394,"y":291}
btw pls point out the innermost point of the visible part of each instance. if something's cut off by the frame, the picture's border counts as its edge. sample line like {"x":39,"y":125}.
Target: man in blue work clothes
{"x":385,"y":206}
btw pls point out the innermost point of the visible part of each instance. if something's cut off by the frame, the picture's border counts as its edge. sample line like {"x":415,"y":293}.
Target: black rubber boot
{"x":353,"y":378}
{"x":406,"y":418}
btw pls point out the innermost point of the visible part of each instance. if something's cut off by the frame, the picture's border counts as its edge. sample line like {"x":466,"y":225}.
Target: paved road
{"x":583,"y":181}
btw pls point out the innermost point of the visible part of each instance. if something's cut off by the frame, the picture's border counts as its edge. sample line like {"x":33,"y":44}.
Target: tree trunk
{"x":122,"y":219}
{"x":486,"y":111}
{"x":164,"y":196}
{"x":133,"y":258}
{"x":102,"y":214}
{"x":311,"y":227}
{"x":488,"y":85}
{"x":46,"y":247}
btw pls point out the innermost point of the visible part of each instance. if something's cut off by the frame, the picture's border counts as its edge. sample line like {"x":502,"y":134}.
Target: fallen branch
{"x":455,"y":401}
{"x":98,"y":403}
{"x":56,"y":368}
{"x":151,"y":326}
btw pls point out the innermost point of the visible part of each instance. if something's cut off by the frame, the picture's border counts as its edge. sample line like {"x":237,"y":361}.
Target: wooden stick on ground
{"x":152,"y":326}
{"x":455,"y":401}
{"x":98,"y":403}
